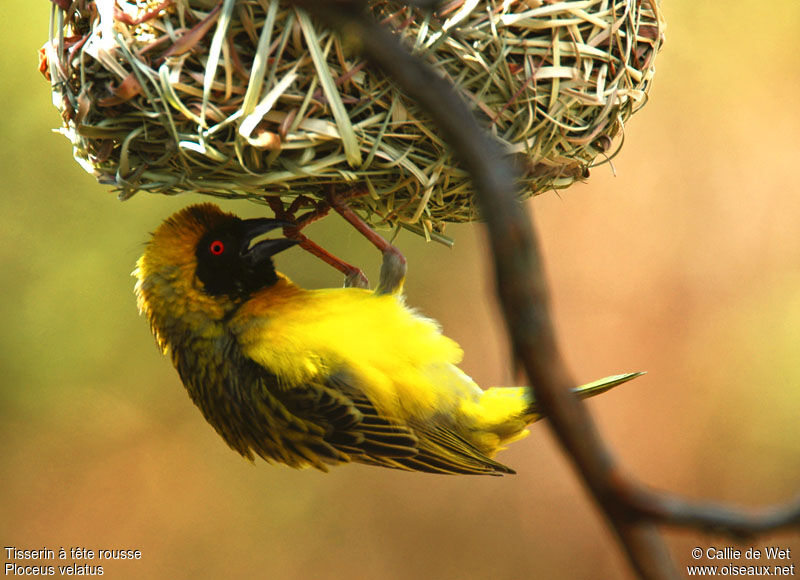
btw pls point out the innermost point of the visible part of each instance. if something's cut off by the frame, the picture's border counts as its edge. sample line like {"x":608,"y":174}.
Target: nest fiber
{"x":253,"y":98}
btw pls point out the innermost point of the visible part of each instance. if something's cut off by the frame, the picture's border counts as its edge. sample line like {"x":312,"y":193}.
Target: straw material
{"x":247,"y":98}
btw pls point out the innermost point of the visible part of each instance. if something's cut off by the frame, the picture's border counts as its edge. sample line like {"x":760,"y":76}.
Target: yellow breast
{"x":400,"y":359}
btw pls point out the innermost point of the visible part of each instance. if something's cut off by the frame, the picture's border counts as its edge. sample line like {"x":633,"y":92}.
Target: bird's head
{"x":202,"y":263}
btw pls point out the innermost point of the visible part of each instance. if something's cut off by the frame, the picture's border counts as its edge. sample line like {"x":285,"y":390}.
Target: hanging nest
{"x":252,"y":98}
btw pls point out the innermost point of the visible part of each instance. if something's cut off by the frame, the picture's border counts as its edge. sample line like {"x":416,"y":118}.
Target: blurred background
{"x":683,"y":261}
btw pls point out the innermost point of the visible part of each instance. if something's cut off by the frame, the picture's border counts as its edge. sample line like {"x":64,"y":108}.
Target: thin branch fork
{"x":633,"y":509}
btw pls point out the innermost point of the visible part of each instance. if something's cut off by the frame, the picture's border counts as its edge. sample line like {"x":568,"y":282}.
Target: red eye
{"x":216,"y":247}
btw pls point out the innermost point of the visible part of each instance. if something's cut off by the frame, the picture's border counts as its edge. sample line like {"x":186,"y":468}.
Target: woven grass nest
{"x":252,"y":98}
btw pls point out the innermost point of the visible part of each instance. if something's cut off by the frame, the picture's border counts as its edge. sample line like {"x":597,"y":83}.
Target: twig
{"x":633,"y":510}
{"x":723,"y":518}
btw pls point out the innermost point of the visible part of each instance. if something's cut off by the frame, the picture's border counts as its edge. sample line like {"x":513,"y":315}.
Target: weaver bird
{"x":317,"y":377}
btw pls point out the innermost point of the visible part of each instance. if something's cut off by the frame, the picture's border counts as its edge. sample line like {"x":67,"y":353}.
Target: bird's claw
{"x":356,"y":279}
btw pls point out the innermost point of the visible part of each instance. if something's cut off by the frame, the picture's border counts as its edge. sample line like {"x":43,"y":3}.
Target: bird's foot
{"x":393,"y":269}
{"x":354,"y":277}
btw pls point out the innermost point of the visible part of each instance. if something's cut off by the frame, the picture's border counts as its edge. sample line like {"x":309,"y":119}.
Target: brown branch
{"x":633,"y":510}
{"x":716,"y":517}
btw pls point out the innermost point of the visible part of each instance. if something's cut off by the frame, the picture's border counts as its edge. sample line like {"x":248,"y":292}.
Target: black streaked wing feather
{"x":350,"y":426}
{"x":341,"y":424}
{"x":446,"y":449}
{"x":439,"y":449}
{"x":324,"y":422}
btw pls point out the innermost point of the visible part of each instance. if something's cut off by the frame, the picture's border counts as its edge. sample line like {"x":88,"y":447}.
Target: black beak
{"x":262,"y":251}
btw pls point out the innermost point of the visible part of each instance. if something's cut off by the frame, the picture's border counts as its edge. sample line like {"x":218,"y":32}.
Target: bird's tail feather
{"x":505,"y":412}
{"x":584,"y":391}
{"x":605,"y":384}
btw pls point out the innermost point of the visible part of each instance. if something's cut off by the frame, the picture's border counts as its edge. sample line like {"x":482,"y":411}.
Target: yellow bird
{"x":317,"y":377}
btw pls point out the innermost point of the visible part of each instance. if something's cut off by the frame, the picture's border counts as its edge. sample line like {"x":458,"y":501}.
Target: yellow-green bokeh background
{"x":685,"y":264}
